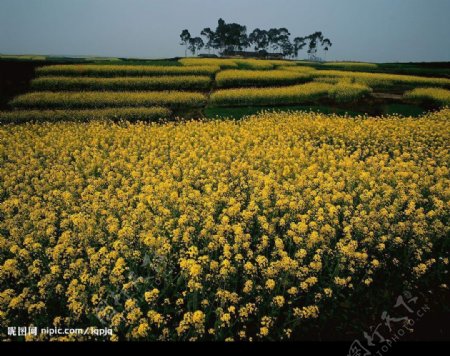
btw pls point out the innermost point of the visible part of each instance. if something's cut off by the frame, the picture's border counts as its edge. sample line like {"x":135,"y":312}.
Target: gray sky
{"x":366,"y":30}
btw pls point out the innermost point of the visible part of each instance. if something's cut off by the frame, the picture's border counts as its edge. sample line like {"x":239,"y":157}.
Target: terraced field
{"x":196,"y":87}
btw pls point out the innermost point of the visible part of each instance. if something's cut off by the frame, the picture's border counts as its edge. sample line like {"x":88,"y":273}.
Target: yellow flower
{"x":151,"y":296}
{"x":205,"y":302}
{"x":264,"y":331}
{"x":278,"y":301}
{"x":328,"y":292}
{"x":308,"y":312}
{"x":142,"y":330}
{"x":248,"y":267}
{"x":155,"y":318}
{"x":212,"y":230}
{"x":420,"y":269}
{"x":225,"y":319}
{"x":270,"y":284}
{"x":248,"y":286}
{"x":198,"y":319}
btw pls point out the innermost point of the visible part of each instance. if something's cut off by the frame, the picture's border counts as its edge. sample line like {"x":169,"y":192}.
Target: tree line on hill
{"x":232,"y":37}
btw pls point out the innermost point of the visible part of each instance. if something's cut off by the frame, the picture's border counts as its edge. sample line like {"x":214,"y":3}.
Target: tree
{"x":326,"y":44}
{"x":314,"y":40}
{"x":272,"y":35}
{"x":242,"y":38}
{"x":278,"y":37}
{"x":195,"y":44}
{"x":185,"y":40}
{"x":287,"y":48}
{"x":259,"y":38}
{"x":299,"y":43}
{"x":239,"y":38}
{"x":210,"y":37}
{"x":233,"y":37}
{"x":219,"y":38}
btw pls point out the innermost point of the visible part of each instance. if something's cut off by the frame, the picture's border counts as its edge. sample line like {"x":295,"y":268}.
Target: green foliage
{"x":351,"y":65}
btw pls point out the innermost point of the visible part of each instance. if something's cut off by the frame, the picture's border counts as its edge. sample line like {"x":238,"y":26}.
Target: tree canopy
{"x":229,"y":37}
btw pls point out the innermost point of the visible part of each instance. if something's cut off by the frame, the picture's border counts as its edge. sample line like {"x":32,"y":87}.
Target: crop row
{"x":238,"y":78}
{"x":89,"y":99}
{"x":351,"y":65}
{"x":183,"y":82}
{"x":295,"y":94}
{"x":129,"y":114}
{"x":92,"y":70}
{"x":228,"y":63}
{"x":375,"y":79}
{"x":436,"y":95}
{"x":223,"y":63}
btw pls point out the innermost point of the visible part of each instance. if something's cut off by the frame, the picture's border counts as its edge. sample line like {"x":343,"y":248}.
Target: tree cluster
{"x":233,"y":37}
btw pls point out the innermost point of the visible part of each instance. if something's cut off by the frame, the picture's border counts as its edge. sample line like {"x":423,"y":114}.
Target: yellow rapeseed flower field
{"x":270,"y":96}
{"x":294,"y":94}
{"x":107,"y":99}
{"x":220,"y":230}
{"x":234,"y":63}
{"x":381,"y":79}
{"x":438,"y":95}
{"x":181,"y":82}
{"x":93,"y":70}
{"x":344,"y":91}
{"x":298,"y":68}
{"x":240,"y":77}
{"x":257,"y":64}
{"x":223,"y":63}
{"x":131,"y":114}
